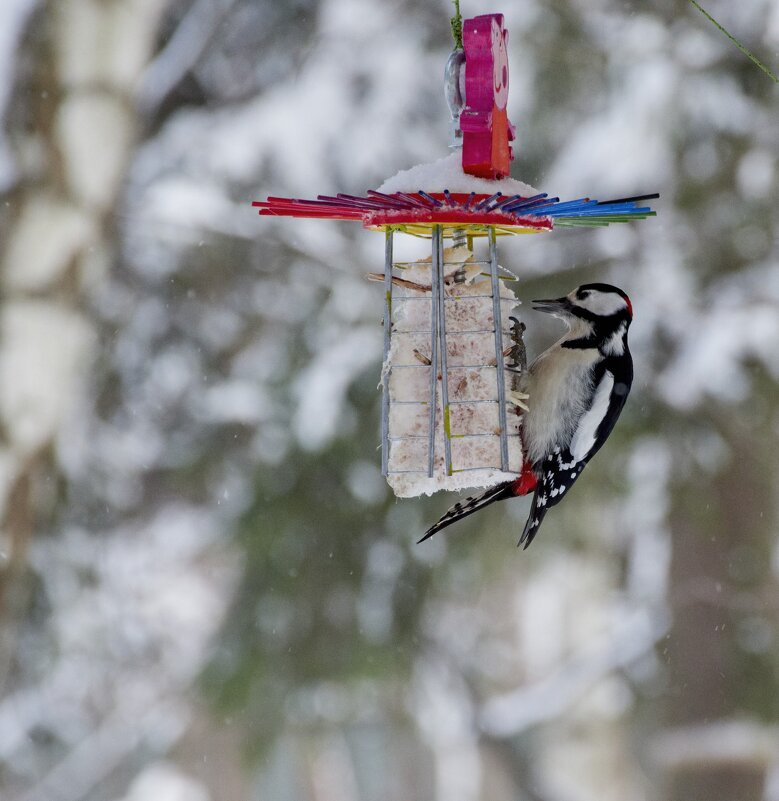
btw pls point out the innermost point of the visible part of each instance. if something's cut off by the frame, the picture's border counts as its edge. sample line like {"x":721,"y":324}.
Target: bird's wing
{"x":556,"y":474}
{"x":589,"y":430}
{"x":558,"y":471}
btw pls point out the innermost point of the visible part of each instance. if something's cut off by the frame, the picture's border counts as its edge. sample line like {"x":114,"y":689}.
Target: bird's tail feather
{"x":470,"y":505}
{"x":534,"y":520}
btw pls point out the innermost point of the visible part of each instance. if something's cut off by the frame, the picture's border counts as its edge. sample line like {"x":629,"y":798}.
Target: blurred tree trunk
{"x":72,"y":125}
{"x":722,"y":680}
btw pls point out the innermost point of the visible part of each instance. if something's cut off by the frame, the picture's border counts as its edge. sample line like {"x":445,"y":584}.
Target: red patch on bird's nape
{"x":630,"y":306}
{"x":526,"y":482}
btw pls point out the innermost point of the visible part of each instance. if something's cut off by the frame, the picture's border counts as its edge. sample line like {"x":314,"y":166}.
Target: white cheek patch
{"x":584,"y":437}
{"x":604,"y":304}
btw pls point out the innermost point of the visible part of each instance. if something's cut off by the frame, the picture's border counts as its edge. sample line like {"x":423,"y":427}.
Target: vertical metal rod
{"x":438,"y":266}
{"x":385,"y":369}
{"x":496,"y":315}
{"x":434,"y":336}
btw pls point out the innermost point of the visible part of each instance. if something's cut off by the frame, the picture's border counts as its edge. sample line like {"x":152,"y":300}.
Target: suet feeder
{"x":452,"y":376}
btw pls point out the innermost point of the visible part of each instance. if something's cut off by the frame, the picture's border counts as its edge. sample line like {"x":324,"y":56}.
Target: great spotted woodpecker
{"x":577,"y":390}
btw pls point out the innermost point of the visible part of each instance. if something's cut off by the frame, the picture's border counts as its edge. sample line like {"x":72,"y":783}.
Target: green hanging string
{"x":457,"y":26}
{"x":751,"y":56}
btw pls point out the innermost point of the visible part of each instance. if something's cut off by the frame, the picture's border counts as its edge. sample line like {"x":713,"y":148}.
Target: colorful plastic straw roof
{"x":418,"y":212}
{"x":482,"y":130}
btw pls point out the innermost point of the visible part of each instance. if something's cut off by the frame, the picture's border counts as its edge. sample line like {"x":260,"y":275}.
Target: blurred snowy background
{"x":206,"y":590}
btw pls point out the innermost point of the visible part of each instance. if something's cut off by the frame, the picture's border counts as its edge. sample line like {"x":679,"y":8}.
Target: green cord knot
{"x":457,"y":26}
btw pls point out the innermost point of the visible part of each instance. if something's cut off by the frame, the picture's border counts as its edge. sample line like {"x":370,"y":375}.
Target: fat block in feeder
{"x":469,"y":428}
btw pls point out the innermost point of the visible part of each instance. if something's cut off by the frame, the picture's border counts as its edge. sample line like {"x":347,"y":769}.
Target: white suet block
{"x":474,"y":420}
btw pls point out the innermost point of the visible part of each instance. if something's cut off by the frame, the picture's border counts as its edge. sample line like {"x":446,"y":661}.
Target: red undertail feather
{"x":526,"y":482}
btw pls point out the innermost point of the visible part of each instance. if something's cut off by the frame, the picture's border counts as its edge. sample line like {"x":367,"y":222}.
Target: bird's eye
{"x":582,"y":294}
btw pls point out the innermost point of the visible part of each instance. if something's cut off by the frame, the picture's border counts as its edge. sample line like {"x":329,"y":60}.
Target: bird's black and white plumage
{"x":577,"y":390}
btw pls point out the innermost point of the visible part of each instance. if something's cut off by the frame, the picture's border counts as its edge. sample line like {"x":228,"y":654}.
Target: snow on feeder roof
{"x":452,"y":392}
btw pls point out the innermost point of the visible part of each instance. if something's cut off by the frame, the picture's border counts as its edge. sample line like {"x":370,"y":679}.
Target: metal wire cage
{"x":447,"y":417}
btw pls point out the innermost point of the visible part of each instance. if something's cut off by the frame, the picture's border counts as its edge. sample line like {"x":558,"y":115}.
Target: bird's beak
{"x":557,"y":306}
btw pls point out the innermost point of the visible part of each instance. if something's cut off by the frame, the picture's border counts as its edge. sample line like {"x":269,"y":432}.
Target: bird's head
{"x":592,"y":303}
{"x":598,"y":312}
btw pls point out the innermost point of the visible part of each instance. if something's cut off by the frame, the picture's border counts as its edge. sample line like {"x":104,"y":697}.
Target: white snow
{"x":322,"y":387}
{"x":712,"y":362}
{"x":757,"y":174}
{"x":625,"y":146}
{"x":164,"y":781}
{"x":447,"y":173}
